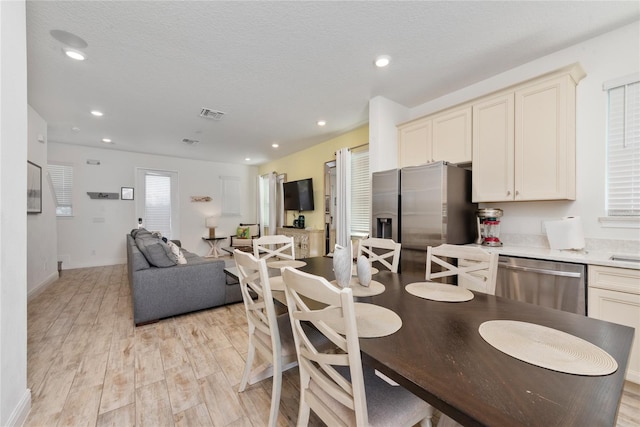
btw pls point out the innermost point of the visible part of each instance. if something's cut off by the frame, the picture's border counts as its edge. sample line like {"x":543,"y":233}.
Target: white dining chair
{"x":385,"y":251}
{"x":274,"y":248}
{"x":269,"y":335}
{"x":278,"y":246}
{"x":335,"y":385}
{"x":475,"y":268}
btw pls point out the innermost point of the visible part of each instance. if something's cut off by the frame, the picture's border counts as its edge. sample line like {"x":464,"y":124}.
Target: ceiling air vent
{"x":207,"y":113}
{"x":190,"y":141}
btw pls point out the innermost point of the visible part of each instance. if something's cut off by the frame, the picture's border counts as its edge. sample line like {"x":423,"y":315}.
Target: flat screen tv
{"x":298,"y":195}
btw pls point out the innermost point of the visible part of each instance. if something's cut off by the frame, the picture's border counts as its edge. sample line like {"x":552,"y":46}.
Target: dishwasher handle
{"x":540,"y":270}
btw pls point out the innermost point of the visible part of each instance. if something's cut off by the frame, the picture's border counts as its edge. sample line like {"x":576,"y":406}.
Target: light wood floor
{"x":89,"y":366}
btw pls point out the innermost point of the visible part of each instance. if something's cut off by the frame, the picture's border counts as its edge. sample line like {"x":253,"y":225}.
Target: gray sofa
{"x":160,"y":288}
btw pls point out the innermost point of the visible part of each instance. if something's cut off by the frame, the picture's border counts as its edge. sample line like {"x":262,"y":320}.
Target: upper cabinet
{"x":524,"y":142}
{"x":521,"y":140}
{"x":414,"y":147}
{"x":443,"y":136}
{"x":493,"y":148}
{"x":452,"y":136}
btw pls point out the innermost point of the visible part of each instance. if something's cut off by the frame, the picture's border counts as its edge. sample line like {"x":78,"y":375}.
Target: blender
{"x":489,"y":226}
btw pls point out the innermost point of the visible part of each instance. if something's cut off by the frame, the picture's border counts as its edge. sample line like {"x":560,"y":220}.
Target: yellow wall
{"x":309,"y":163}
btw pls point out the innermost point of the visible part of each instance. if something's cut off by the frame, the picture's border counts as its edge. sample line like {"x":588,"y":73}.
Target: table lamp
{"x":211,"y":222}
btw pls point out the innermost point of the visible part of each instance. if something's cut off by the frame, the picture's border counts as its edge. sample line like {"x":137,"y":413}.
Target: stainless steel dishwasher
{"x":555,"y":284}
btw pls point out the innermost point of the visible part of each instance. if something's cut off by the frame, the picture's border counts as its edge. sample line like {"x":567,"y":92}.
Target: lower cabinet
{"x":614,"y":296}
{"x":308,"y":243}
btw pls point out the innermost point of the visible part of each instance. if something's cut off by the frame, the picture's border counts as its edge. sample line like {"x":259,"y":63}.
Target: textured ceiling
{"x":274,"y":68}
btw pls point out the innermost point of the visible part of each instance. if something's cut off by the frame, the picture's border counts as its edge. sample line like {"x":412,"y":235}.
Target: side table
{"x":214,"y":244}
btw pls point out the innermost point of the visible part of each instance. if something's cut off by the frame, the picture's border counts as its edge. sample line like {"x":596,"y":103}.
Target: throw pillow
{"x":175,"y":250}
{"x":243,"y":233}
{"x":155,"y":251}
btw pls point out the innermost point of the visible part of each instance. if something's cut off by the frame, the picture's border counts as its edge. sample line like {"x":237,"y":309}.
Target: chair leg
{"x":276,"y":390}
{"x":427,"y":421}
{"x":304,"y":411}
{"x":251,"y":351}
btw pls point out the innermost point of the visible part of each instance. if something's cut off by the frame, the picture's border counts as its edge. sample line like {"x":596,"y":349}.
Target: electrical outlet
{"x":93,"y":252}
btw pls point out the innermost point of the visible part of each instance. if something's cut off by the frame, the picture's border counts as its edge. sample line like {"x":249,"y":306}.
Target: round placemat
{"x":439,"y":292}
{"x":548,"y":348}
{"x":354,"y":270}
{"x":374,"y":288}
{"x":293,"y":263}
{"x":372,"y":321}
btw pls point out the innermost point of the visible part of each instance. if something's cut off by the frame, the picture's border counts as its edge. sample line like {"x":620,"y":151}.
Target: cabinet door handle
{"x":508,"y":192}
{"x":517,"y":193}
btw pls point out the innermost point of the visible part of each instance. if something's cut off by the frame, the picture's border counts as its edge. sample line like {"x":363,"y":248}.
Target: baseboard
{"x":43,"y":285}
{"x":20,"y":413}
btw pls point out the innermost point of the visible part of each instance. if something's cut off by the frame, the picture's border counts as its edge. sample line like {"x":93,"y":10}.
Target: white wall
{"x":95,"y":234}
{"x":42,"y":255}
{"x":384,"y":114}
{"x":15,"y":398}
{"x":612,"y":55}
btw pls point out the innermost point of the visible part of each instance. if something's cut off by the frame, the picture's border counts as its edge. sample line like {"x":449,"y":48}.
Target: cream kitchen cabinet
{"x":493,"y":147}
{"x":524,"y":145}
{"x":414,"y":142}
{"x":614,"y":296}
{"x":451,"y":140}
{"x":442,"y":136}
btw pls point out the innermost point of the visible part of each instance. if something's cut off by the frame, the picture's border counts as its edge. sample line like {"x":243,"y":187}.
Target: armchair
{"x":245,"y":237}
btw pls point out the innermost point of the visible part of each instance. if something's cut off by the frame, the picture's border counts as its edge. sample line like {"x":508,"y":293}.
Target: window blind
{"x":623,"y":150}
{"x":62,"y":180}
{"x":360,"y":192}
{"x":157,"y":203}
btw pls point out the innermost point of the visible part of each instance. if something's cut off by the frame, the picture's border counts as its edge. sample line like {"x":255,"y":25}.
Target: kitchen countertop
{"x":581,"y":257}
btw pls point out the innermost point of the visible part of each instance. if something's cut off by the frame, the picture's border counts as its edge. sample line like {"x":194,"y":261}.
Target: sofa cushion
{"x":155,"y":251}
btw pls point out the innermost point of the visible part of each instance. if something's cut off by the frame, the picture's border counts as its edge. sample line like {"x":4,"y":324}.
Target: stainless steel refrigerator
{"x":436,"y":208}
{"x":385,"y":204}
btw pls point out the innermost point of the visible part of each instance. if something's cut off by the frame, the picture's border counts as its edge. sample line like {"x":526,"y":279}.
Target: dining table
{"x":439,"y":355}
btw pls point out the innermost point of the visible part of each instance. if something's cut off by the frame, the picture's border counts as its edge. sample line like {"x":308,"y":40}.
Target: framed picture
{"x":126,"y":193}
{"x":34,"y":188}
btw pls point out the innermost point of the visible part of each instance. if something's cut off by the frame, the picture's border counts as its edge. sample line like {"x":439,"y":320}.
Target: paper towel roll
{"x":565,"y":233}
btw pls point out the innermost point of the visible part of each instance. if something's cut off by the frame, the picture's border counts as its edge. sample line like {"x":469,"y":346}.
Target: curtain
{"x":343,"y":197}
{"x":271,"y":213}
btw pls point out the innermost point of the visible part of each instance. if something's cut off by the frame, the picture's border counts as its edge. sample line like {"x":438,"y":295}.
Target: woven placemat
{"x":548,"y":348}
{"x":439,"y":292}
{"x":293,"y":263}
{"x":374,"y":288}
{"x":372,"y":321}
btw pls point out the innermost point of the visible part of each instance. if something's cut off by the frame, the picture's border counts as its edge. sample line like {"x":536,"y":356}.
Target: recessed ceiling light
{"x":247,"y":159}
{"x":382,"y":61}
{"x":75,"y":129}
{"x":322,"y":122}
{"x":107,"y":140}
{"x":97,"y":113}
{"x":74,"y":54}
{"x":275,"y":145}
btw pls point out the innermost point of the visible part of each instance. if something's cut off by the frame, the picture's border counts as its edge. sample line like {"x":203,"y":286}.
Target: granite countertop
{"x":592,"y":257}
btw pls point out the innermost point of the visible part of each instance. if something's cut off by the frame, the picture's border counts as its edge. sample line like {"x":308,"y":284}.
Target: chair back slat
{"x":384,"y":251}
{"x":278,"y":246}
{"x":475,"y":268}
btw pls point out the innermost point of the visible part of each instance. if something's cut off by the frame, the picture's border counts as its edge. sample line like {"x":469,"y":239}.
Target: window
{"x":158,"y":206}
{"x":623,"y":147}
{"x":360,"y":192}
{"x":62,"y":182}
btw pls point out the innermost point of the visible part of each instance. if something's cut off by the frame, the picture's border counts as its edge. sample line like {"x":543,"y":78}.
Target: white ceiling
{"x":275,"y":68}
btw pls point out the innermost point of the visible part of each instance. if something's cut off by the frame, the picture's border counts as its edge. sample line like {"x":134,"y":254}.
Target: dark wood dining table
{"x":439,"y":355}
